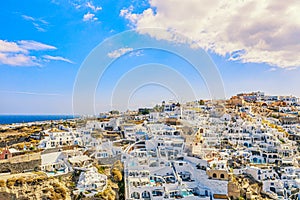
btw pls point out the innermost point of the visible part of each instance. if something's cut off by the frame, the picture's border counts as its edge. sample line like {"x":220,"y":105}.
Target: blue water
{"x":9,"y":119}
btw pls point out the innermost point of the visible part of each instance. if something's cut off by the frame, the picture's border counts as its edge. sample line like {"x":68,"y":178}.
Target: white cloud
{"x":29,"y":18}
{"x":94,"y":8}
{"x":18,"y":53}
{"x":89,"y":17}
{"x":31,"y":93}
{"x":272,"y":69}
{"x":39,"y":24}
{"x":77,"y":6}
{"x":85,"y":5}
{"x":247,"y":31}
{"x":18,"y":59}
{"x":291,"y":68}
{"x":119,"y":52}
{"x":33,"y":45}
{"x":136,"y":53}
{"x":88,"y":7}
{"x":58,"y":58}
{"x":6,"y":46}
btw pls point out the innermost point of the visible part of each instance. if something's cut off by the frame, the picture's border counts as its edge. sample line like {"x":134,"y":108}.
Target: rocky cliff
{"x":32,"y":186}
{"x":245,"y":187}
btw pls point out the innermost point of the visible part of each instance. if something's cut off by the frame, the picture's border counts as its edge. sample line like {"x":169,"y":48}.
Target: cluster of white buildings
{"x":91,"y":180}
{"x":171,"y":162}
{"x":64,"y":152}
{"x":157,"y":166}
{"x":188,"y":151}
{"x":261,"y":97}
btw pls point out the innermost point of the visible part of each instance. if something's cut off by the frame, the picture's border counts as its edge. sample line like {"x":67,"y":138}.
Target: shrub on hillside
{"x":117,"y":175}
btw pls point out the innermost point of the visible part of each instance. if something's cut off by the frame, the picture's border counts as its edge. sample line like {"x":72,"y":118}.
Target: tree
{"x":144,"y":111}
{"x":201,"y":102}
{"x":117,"y":175}
{"x":158,"y":108}
{"x":114,"y":112}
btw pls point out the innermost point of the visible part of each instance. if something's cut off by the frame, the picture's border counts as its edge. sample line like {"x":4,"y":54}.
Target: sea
{"x":9,"y":119}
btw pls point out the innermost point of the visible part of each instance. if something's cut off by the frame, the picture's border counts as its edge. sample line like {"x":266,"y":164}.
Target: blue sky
{"x":44,"y":43}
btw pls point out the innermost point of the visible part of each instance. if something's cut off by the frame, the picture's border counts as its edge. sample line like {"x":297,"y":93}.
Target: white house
{"x":55,"y":163}
{"x":91,"y":181}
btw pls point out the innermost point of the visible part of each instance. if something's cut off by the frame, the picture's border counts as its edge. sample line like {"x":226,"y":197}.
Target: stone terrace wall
{"x":4,"y":195}
{"x":18,"y":164}
{"x":109,"y":161}
{"x":23,"y":158}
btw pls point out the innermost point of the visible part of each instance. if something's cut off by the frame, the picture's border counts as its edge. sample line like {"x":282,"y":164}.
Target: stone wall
{"x":20,"y":167}
{"x":218,"y":174}
{"x":109,"y":161}
{"x":4,"y":195}
{"x":18,"y":164}
{"x":233,"y":190}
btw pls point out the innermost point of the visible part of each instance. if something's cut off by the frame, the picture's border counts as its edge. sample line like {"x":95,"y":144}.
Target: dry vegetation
{"x":108,"y":194}
{"x":115,"y":183}
{"x":116,"y":171}
{"x":34,"y":185}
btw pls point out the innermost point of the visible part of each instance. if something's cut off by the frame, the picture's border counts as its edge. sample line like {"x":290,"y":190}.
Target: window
{"x":222,"y":176}
{"x":214,"y":175}
{"x":156,"y":193}
{"x":135,"y":195}
{"x":146,"y":194}
{"x":273,"y":189}
{"x":206,"y":193}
